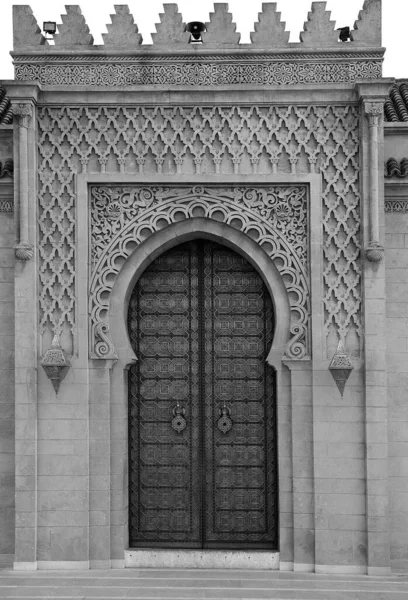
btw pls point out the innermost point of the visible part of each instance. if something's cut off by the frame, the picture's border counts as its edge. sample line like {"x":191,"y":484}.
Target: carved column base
{"x":24,"y":251}
{"x":374,"y":252}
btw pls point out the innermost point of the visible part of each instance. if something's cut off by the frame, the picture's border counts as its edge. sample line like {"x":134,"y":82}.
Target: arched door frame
{"x":176,"y":234}
{"x":143,"y":255}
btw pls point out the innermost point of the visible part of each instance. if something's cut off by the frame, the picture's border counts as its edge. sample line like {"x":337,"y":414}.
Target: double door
{"x":202,"y":431}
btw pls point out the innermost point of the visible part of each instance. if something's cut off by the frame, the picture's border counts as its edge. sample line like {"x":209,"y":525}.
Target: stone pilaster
{"x":25,"y":288}
{"x":374,"y":307}
{"x":23,"y":112}
{"x":374,"y":111}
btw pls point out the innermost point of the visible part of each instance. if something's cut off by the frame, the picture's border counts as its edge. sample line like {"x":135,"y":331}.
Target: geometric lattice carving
{"x":318,"y":29}
{"x":220,"y":31}
{"x":123,"y":31}
{"x":171,"y":29}
{"x":259,"y":69}
{"x":270,"y":30}
{"x":201,"y":139}
{"x":73,"y":30}
{"x":341,"y":227}
{"x":276,"y":217}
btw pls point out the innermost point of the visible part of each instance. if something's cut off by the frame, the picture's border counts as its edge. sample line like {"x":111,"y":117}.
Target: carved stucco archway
{"x":273,"y":220}
{"x":177,"y":234}
{"x":115,"y":372}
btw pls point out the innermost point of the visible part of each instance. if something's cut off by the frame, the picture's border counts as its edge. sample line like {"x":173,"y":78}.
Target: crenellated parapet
{"x":270,"y":59}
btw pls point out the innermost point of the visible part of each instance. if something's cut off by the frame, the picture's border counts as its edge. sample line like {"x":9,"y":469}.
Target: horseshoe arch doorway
{"x":202,"y":403}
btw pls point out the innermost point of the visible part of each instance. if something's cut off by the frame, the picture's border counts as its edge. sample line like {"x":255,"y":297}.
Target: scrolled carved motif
{"x":201,"y":139}
{"x":276,"y":217}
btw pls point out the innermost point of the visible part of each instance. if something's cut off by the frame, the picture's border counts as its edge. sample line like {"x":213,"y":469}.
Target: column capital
{"x":374,"y":111}
{"x":23,"y":112}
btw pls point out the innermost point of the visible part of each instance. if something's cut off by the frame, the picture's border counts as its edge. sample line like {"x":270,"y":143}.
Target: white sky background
{"x":245,"y":13}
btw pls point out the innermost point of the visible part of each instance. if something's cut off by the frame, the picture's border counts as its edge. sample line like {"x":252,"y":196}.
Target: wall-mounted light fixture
{"x":49,"y":28}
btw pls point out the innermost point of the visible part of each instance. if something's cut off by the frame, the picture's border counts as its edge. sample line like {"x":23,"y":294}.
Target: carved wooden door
{"x":202,"y":431}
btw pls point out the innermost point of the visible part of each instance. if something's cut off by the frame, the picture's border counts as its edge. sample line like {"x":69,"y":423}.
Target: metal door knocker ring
{"x":179,"y":422}
{"x":224,"y":423}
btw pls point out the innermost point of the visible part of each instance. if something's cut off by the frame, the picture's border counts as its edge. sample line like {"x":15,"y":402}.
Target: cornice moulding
{"x":395,"y":128}
{"x":341,"y":94}
{"x":191,"y":51}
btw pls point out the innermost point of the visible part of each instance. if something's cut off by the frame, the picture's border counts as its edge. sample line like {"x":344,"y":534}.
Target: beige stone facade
{"x":272,"y":149}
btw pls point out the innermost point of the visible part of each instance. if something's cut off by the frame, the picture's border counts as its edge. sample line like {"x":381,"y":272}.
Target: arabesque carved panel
{"x":202,"y":140}
{"x":122,"y":217}
{"x":162,"y":71}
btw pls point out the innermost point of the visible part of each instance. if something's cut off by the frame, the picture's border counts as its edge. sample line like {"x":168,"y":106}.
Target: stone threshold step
{"x":201,"y":559}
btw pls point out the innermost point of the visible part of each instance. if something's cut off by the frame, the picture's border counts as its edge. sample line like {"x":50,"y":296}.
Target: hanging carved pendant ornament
{"x":340,"y":367}
{"x":55,"y":363}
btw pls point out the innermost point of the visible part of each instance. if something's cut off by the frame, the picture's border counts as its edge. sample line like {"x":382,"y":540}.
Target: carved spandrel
{"x":278,"y":213}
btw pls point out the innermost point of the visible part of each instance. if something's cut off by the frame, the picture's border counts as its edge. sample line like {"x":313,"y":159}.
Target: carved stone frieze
{"x":6,"y":205}
{"x":262,"y":69}
{"x":245,"y":140}
{"x":6,"y":168}
{"x":396,"y":206}
{"x":276,"y":217}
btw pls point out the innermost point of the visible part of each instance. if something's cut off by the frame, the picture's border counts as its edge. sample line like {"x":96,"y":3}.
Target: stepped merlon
{"x":123,"y":30}
{"x":367,"y":29}
{"x":270,"y":30}
{"x":221,"y":29}
{"x":26,"y":31}
{"x":171,"y":29}
{"x":73,"y":31}
{"x":319,"y":30}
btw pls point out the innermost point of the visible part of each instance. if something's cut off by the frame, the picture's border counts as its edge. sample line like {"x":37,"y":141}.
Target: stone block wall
{"x":397,"y":363}
{"x":6,"y":357}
